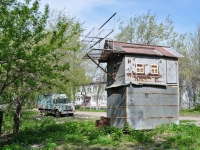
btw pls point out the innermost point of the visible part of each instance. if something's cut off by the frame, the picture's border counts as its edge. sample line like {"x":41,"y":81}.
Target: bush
{"x":197,"y":107}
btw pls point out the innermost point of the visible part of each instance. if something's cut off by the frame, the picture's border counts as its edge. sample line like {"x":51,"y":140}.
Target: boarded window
{"x":114,"y":71}
{"x":154,"y":69}
{"x":140,"y":68}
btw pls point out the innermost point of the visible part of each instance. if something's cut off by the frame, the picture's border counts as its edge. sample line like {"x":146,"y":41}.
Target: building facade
{"x":92,"y":95}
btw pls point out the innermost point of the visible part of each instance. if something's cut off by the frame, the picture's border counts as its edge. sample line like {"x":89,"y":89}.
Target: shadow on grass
{"x":47,"y":134}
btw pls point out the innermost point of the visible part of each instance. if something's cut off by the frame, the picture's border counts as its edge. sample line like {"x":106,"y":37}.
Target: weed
{"x":186,"y":121}
{"x":48,"y":133}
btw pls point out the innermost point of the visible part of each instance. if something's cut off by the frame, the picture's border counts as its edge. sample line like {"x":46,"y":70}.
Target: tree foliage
{"x":145,"y":29}
{"x":29,"y":56}
{"x":193,"y":64}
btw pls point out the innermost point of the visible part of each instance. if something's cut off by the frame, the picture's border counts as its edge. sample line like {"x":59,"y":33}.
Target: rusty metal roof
{"x":113,"y":48}
{"x":143,"y":49}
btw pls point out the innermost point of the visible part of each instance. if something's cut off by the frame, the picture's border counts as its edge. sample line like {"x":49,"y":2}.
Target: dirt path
{"x":99,"y":114}
{"x":93,"y":114}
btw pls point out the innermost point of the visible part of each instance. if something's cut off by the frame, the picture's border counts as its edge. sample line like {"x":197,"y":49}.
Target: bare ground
{"x":82,"y":114}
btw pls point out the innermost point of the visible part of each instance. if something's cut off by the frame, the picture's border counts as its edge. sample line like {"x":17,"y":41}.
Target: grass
{"x":189,"y":112}
{"x":186,"y":121}
{"x":74,"y":133}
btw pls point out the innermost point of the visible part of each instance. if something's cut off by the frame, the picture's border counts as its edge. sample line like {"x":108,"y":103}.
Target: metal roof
{"x":113,"y":48}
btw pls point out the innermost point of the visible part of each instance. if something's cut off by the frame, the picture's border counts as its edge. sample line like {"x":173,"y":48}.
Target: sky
{"x":184,"y":13}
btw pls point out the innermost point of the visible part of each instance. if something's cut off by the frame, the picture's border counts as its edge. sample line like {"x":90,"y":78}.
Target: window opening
{"x":154,"y":69}
{"x":140,"y":68}
{"x":114,"y":70}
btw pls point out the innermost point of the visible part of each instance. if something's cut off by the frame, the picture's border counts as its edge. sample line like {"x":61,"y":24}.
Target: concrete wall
{"x":116,"y":106}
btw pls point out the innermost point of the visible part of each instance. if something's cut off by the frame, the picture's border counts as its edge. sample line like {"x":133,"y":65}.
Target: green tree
{"x":29,"y":57}
{"x":76,"y":74}
{"x":145,"y":29}
{"x":193,"y":49}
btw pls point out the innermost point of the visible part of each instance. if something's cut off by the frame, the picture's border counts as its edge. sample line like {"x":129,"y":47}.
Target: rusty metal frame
{"x":95,"y":40}
{"x":100,"y":67}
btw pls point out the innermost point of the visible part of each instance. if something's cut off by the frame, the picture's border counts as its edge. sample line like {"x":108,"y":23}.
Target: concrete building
{"x":92,"y":95}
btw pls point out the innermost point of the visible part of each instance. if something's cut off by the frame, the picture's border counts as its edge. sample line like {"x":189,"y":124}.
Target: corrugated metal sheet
{"x":120,"y":47}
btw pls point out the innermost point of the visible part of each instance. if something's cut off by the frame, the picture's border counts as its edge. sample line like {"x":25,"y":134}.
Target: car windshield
{"x":62,"y":100}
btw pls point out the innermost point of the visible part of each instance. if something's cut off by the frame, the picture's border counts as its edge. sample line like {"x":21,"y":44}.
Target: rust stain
{"x":116,"y":107}
{"x":155,"y":93}
{"x":153,"y":105}
{"x":168,"y":117}
{"x":153,"y":117}
{"x":117,"y":117}
{"x":149,"y":117}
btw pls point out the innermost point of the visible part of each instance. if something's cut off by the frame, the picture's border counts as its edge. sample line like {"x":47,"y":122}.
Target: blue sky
{"x":184,"y":13}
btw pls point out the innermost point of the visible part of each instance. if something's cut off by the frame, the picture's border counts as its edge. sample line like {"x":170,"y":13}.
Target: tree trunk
{"x":17,"y":116}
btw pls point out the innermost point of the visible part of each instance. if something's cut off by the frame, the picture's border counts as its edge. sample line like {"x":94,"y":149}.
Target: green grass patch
{"x":78,"y":134}
{"x":186,"y":121}
{"x":189,"y":112}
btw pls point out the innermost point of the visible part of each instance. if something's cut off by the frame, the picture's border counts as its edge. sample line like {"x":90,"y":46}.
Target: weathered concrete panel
{"x":151,"y":104}
{"x":171,"y":120}
{"x":140,"y":69}
{"x":154,"y":111}
{"x":116,"y":106}
{"x":172,"y":71}
{"x":115,"y":67}
{"x":137,"y":123}
{"x":119,"y":112}
{"x":153,"y":122}
{"x":170,"y":111}
{"x":136,"y":112}
{"x":118,"y":122}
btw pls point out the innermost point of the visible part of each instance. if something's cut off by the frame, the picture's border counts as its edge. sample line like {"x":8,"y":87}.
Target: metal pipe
{"x":107,"y":20}
{"x":101,"y":67}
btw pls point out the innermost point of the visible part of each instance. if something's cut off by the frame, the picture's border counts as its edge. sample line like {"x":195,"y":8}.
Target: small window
{"x":154,"y":69}
{"x":94,"y":88}
{"x":114,"y":71}
{"x":140,"y":68}
{"x":94,"y":99}
{"x":83,"y":90}
{"x":89,"y":89}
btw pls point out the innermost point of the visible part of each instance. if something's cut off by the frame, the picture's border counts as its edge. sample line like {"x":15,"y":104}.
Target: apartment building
{"x":92,"y":95}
